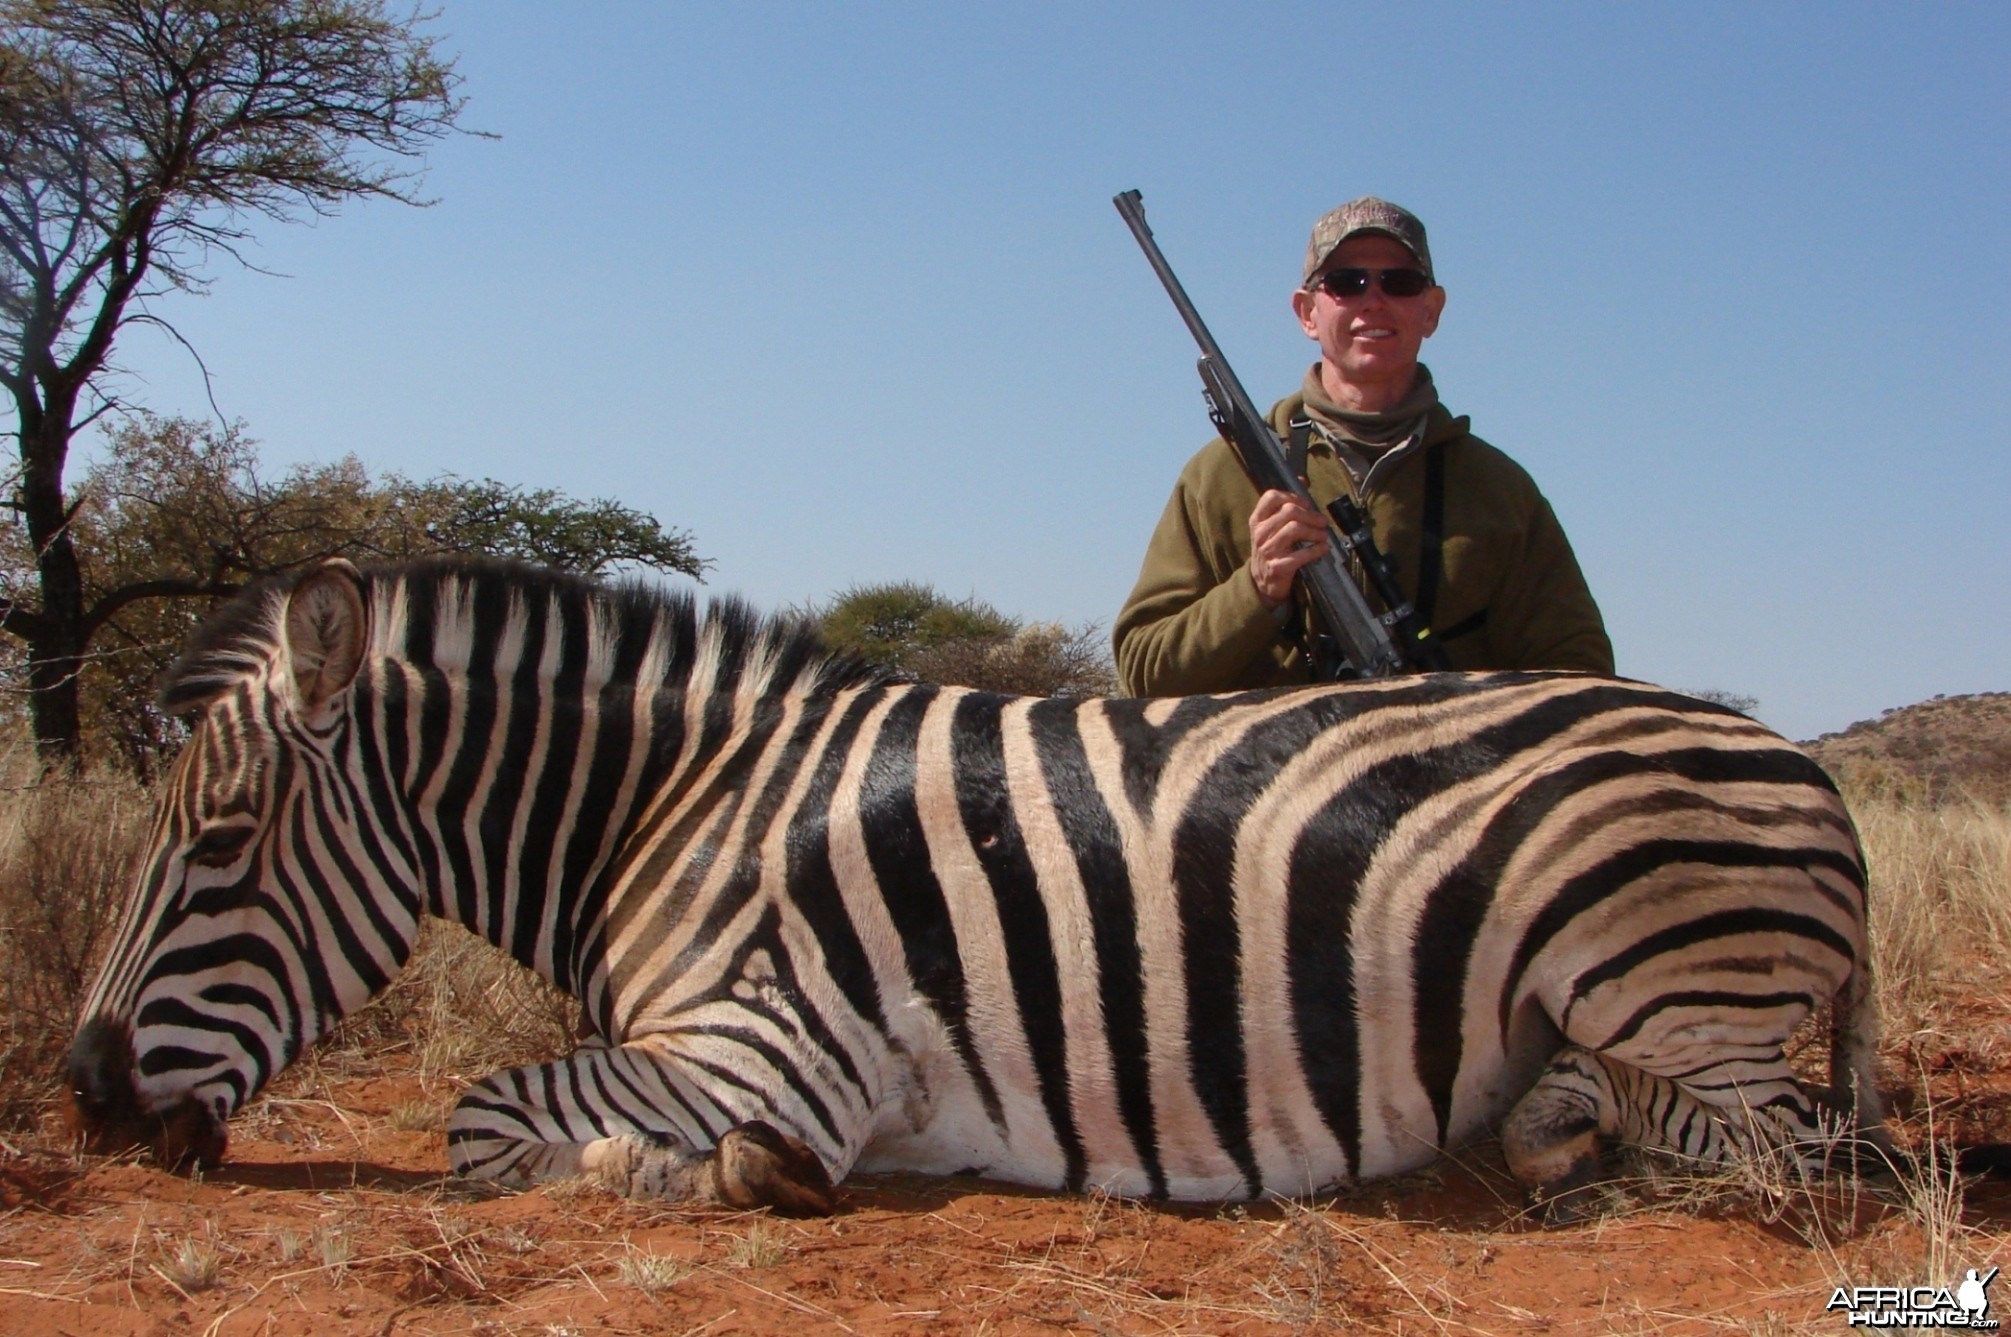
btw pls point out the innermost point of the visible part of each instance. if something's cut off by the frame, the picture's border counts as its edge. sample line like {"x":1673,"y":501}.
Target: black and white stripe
{"x":1192,"y":948}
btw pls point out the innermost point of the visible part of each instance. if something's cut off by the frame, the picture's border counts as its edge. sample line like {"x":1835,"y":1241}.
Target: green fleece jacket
{"x":1510,"y":595}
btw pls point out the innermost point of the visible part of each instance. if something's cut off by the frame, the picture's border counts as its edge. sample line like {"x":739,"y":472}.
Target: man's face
{"x":1370,"y":340}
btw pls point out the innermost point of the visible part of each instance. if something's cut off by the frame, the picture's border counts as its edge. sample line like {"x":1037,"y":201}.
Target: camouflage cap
{"x":1367,"y":214}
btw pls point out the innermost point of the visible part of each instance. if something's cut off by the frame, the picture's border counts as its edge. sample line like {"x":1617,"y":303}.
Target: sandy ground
{"x":328,"y":1219}
{"x":333,"y":1217}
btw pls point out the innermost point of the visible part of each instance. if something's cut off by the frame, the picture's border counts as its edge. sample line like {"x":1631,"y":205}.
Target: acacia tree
{"x":890,"y":623}
{"x":178,"y":515}
{"x":140,"y":140}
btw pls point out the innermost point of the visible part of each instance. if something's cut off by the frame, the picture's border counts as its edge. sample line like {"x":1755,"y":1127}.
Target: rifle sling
{"x":1298,"y":439}
{"x":1464,"y":627}
{"x":1431,"y":552}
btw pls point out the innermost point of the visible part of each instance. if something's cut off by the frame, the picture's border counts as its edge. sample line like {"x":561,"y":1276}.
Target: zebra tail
{"x":1853,"y":1059}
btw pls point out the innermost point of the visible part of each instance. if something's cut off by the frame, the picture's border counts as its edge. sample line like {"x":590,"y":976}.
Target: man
{"x":1462,"y":524}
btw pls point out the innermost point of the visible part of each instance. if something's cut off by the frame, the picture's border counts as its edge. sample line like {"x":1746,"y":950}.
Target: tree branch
{"x":18,"y":621}
{"x":109,"y":605}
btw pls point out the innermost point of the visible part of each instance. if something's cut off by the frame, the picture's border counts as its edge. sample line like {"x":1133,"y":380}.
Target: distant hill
{"x":1939,"y":748}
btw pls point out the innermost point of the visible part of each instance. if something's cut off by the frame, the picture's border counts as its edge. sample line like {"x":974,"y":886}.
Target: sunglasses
{"x":1347,"y":282}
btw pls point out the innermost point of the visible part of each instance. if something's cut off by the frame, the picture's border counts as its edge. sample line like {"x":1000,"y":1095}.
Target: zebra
{"x":822,"y":919}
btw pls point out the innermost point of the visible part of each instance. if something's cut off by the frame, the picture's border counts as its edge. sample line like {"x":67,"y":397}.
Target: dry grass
{"x":191,"y":1264}
{"x":418,"y":1116}
{"x":66,"y":848}
{"x":763,"y":1245}
{"x":333,"y":1249}
{"x":463,"y":1008}
{"x":1940,"y":906}
{"x":650,"y":1272}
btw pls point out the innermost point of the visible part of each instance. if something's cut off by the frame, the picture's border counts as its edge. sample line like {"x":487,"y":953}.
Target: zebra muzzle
{"x":107,"y":1116}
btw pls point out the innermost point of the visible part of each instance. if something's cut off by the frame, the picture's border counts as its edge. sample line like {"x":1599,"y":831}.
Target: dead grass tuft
{"x":190,"y":1265}
{"x":763,"y":1245}
{"x":418,"y":1116}
{"x":464,"y":1008}
{"x":333,"y":1249}
{"x":1304,"y":1284}
{"x":650,"y":1272}
{"x":66,"y":848}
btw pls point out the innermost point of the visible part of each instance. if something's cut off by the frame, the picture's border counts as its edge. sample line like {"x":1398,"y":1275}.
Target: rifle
{"x":1350,"y":639}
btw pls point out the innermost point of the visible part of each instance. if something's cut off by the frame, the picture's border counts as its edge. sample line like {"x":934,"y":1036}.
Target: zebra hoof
{"x":1987,"y":1158}
{"x":1870,"y":1154}
{"x":758,"y":1165}
{"x":1562,"y":1178}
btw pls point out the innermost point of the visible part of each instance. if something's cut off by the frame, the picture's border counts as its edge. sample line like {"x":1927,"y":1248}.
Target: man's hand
{"x":1285,"y":534}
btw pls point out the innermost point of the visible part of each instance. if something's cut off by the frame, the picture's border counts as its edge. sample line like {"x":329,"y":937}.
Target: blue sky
{"x":841,"y":291}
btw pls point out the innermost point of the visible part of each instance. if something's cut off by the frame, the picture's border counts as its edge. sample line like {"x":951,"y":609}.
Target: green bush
{"x":912,"y":627}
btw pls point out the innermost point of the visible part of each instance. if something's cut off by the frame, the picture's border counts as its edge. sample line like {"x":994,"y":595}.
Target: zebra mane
{"x":729,"y":647}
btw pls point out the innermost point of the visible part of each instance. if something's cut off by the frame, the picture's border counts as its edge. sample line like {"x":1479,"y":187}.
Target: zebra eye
{"x":219,"y":846}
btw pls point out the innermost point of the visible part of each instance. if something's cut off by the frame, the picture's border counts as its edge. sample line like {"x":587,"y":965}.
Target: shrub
{"x":912,"y":627}
{"x":66,"y":850}
{"x":1044,"y":659}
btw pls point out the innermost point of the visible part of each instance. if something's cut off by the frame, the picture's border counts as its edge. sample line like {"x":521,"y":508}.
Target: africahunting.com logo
{"x":1965,"y":1305}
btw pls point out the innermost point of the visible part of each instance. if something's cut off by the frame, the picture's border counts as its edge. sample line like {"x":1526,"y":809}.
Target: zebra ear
{"x":326,"y":629}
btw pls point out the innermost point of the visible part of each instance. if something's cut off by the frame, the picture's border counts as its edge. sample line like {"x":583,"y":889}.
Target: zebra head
{"x":262,"y":911}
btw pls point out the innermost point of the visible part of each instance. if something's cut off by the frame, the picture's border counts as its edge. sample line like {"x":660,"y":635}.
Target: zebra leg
{"x":1553,"y":1136}
{"x":633,"y":1119}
